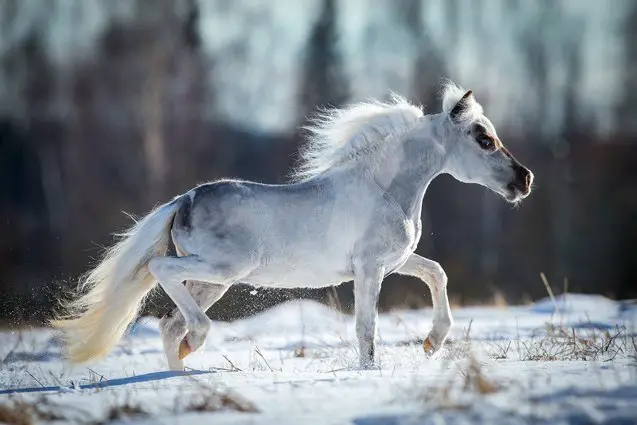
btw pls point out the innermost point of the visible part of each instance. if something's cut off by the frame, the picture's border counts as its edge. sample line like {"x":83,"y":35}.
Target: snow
{"x":576,"y":303}
{"x":296,"y":363}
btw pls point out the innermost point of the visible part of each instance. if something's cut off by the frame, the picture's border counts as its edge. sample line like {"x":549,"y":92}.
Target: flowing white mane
{"x":338,"y":136}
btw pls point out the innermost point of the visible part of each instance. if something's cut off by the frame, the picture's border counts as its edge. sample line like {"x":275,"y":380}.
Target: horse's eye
{"x":485,"y":142}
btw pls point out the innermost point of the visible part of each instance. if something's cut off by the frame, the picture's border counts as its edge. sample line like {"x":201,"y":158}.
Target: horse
{"x":351,"y":210}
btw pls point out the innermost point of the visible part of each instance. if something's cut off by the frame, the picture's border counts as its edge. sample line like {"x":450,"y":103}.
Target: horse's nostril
{"x":523,"y":178}
{"x":529,"y":178}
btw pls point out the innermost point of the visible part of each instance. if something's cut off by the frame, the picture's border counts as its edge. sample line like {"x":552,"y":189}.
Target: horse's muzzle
{"x":520,"y":186}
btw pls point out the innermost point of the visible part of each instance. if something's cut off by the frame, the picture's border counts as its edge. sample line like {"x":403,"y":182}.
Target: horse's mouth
{"x":517,"y":190}
{"x":514,"y":194}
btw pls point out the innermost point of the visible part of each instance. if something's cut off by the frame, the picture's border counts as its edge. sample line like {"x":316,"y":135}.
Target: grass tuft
{"x":210,"y":399}
{"x":467,"y":385}
{"x":18,"y":411}
{"x":476,"y":381}
{"x":562,"y":343}
{"x":557,"y":342}
{"x":124,"y":411}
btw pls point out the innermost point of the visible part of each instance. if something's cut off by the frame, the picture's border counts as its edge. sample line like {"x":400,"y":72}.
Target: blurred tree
{"x":626,"y":110}
{"x":324,"y":83}
{"x":113,"y":105}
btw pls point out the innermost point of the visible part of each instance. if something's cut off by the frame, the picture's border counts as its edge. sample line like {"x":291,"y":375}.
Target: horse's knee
{"x":438,"y":275}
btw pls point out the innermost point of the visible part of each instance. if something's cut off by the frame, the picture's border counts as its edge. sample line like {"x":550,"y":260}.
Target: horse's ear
{"x":461,"y":106}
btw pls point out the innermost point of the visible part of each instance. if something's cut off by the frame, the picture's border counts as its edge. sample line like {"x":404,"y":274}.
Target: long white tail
{"x":112,"y":293}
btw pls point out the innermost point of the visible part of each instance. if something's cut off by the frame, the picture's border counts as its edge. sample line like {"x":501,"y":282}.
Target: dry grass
{"x":475,"y":379}
{"x":123,"y":411}
{"x":299,"y":352}
{"x":17,"y":411}
{"x":467,"y":385}
{"x":210,"y":399}
{"x":20,"y":411}
{"x":558,"y":342}
{"x":468,"y":381}
{"x":562,"y":343}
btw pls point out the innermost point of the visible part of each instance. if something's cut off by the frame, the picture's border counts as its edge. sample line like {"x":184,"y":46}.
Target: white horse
{"x":352,"y":213}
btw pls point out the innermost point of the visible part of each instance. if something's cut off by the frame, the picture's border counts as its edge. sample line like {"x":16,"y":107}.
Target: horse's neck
{"x":406,"y":173}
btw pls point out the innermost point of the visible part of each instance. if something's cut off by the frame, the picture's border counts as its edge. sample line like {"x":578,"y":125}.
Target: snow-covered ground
{"x":296,"y":363}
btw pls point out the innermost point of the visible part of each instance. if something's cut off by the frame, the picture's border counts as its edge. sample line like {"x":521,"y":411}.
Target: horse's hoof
{"x":184,"y":349}
{"x":428,"y":346}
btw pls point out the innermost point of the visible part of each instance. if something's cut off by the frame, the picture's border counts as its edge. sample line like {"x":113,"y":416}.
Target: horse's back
{"x":246,"y":203}
{"x":291,"y":234}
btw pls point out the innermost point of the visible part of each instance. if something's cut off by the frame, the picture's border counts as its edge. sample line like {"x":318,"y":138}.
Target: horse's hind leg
{"x":172,"y":271}
{"x":173,"y":325}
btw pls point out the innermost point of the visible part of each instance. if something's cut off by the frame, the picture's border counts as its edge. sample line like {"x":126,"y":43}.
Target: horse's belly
{"x":318,"y":273}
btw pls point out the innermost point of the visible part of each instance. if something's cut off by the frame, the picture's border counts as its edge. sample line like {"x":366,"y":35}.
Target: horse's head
{"x":475,"y":154}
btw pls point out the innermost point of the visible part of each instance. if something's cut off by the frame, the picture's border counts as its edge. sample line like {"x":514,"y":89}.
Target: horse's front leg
{"x":367,"y":281}
{"x":435,"y":277}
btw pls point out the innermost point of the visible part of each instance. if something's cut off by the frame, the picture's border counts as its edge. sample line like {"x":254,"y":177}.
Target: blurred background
{"x":117,"y":105}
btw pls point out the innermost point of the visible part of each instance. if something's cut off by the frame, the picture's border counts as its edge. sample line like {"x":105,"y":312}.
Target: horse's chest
{"x":401,"y":241}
